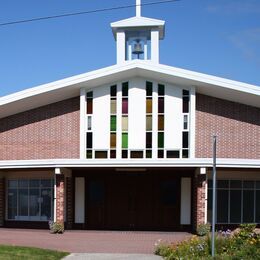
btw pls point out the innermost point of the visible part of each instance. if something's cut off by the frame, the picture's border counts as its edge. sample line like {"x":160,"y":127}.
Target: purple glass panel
{"x":161,"y":105}
{"x":125,"y":106}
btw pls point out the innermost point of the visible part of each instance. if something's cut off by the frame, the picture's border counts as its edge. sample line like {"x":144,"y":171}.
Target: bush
{"x":56,"y":227}
{"x":203,"y":229}
{"x":244,"y":244}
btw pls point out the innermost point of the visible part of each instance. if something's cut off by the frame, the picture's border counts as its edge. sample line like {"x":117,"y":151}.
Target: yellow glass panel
{"x":149,"y":123}
{"x":149,"y":105}
{"x":113,"y":106}
{"x":125,"y":123}
{"x":113,"y":140}
{"x":161,"y":122}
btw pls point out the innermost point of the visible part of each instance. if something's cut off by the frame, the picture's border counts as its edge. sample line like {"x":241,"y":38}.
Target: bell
{"x":138,"y":50}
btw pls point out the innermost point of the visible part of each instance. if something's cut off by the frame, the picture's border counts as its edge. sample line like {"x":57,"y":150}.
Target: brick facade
{"x":237,"y":127}
{"x":69,"y":208}
{"x":2,"y":201}
{"x":60,"y":192}
{"x":47,"y":132}
{"x":199,"y":203}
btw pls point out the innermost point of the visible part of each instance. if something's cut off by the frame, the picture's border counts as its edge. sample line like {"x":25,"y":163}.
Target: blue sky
{"x":219,"y":37}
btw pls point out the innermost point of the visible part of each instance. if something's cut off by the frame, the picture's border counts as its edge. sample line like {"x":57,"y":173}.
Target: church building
{"x":129,"y":146}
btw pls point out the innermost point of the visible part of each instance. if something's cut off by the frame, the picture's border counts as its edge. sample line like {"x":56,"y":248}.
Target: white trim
{"x":82,"y":142}
{"x":192,"y":122}
{"x":63,"y":163}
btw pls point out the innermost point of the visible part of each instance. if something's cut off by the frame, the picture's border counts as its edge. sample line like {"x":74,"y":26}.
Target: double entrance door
{"x":131,"y":201}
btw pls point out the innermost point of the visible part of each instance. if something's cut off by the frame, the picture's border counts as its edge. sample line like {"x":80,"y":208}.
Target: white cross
{"x":138,"y":8}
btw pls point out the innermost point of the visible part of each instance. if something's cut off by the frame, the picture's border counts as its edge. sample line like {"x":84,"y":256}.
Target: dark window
{"x":185,"y":92}
{"x":173,"y":154}
{"x":125,"y":89}
{"x":96,"y":192}
{"x":149,"y":88}
{"x":89,"y":154}
{"x":89,"y":140}
{"x":160,"y":105}
{"x":167,"y":193}
{"x":148,"y":154}
{"x":137,"y":154}
{"x":160,"y":139}
{"x":222,"y":184}
{"x":235,"y":184}
{"x":160,"y":154}
{"x":257,"y":205}
{"x":100,"y":154}
{"x":185,"y":140}
{"x":148,"y":140}
{"x":161,"y":90}
{"x":235,"y":206}
{"x":113,"y":154}
{"x":185,"y":105}
{"x":185,"y":153}
{"x":248,"y":206}
{"x":113,"y":91}
{"x":124,"y":153}
{"x":222,"y":206}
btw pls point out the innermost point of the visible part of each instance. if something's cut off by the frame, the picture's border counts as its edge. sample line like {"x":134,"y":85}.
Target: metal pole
{"x":214,"y":197}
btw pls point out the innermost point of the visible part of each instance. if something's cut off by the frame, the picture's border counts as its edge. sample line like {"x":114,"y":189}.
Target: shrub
{"x":56,"y":227}
{"x":203,"y":229}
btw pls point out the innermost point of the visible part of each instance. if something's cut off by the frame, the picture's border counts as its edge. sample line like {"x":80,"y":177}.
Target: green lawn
{"x":28,"y":253}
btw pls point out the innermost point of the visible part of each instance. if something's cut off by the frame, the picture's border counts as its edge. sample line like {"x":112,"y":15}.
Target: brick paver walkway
{"x":90,"y":241}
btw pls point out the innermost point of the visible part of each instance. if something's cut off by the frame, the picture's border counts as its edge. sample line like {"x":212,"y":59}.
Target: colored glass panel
{"x":148,"y":140}
{"x":160,"y":105}
{"x":149,"y":89}
{"x":161,"y":90}
{"x":185,"y":122}
{"x":149,"y":105}
{"x":113,"y":154}
{"x":137,"y":154}
{"x":160,"y":154}
{"x":89,"y":140}
{"x":185,"y":140}
{"x":89,"y":106}
{"x":160,"y":122}
{"x":124,"y":154}
{"x":185,"y":153}
{"x":160,"y":140}
{"x":100,"y":154}
{"x":112,"y":123}
{"x":125,"y":89}
{"x":149,"y":123}
{"x":113,"y":140}
{"x":113,"y":106}
{"x":89,"y":122}
{"x":124,"y":140}
{"x":89,"y":154}
{"x":185,"y":105}
{"x":125,"y":106}
{"x":148,"y":154}
{"x":124,"y":123}
{"x":173,"y":154}
{"x":113,"y":91}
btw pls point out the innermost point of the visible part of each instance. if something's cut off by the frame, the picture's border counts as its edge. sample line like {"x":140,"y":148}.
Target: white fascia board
{"x":75,"y":163}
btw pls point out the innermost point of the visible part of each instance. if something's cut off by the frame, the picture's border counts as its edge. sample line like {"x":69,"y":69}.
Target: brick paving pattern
{"x":137,"y":242}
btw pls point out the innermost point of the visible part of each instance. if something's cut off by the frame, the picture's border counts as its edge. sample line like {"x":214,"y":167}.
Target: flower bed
{"x":243,"y":243}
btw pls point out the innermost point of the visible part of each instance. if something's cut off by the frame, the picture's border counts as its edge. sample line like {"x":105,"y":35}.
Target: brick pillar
{"x":199,"y":202}
{"x":2,"y":201}
{"x":60,"y":198}
{"x":69,"y":196}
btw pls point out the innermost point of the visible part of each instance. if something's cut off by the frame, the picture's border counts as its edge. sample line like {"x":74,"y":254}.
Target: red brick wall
{"x":237,"y":127}
{"x":46,"y":132}
{"x":2,"y":201}
{"x":60,"y":192}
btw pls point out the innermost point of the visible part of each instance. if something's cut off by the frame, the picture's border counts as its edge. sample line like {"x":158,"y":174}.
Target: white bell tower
{"x":138,"y":37}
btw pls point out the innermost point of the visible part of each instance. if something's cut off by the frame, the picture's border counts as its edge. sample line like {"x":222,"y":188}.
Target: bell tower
{"x":138,"y":37}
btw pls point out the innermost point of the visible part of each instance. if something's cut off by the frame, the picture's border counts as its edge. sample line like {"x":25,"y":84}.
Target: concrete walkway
{"x":83,"y":241}
{"x":112,"y":257}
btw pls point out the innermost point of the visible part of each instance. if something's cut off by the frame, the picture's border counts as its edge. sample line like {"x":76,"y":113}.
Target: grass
{"x":29,"y":253}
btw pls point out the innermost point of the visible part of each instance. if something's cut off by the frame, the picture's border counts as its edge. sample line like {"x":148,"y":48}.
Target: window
{"x":124,"y":135}
{"x":149,"y":119}
{"x":113,"y":124}
{"x":237,"y":201}
{"x":160,"y":117}
{"x":30,"y":200}
{"x":89,"y":134}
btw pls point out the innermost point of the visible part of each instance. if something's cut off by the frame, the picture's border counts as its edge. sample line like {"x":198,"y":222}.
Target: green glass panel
{"x":124,"y":140}
{"x":113,"y":123}
{"x":160,"y":140}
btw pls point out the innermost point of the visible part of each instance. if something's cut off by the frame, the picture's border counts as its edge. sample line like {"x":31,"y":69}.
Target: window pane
{"x":96,"y":192}
{"x":113,"y":154}
{"x":149,"y":105}
{"x":235,"y":184}
{"x":185,"y":153}
{"x":34,"y":183}
{"x":89,"y":122}
{"x":124,"y":123}
{"x":160,"y":105}
{"x":46,"y":195}
{"x":34,"y":209}
{"x":113,"y":140}
{"x":23,"y":202}
{"x":185,"y":105}
{"x":248,"y":184}
{"x":222,"y":206}
{"x":124,"y":140}
{"x":124,"y":154}
{"x":149,"y":88}
{"x":113,"y":106}
{"x":160,"y":122}
{"x":209,"y":215}
{"x":89,"y":140}
{"x":173,"y":154}
{"x":167,"y":193}
{"x":222,"y":184}
{"x":89,"y":154}
{"x":112,"y":123}
{"x":160,"y":154}
{"x":23,"y":183}
{"x":149,"y":123}
{"x":148,"y":140}
{"x":185,"y":122}
{"x":160,"y":140}
{"x":258,"y":185}
{"x":185,"y":140}
{"x":46,"y":183}
{"x":90,"y":94}
{"x":161,"y":90}
{"x":235,"y":206}
{"x":101,"y":154}
{"x":185,"y":92}
{"x":257,"y":204}
{"x":125,"y":89}
{"x":137,"y":154}
{"x":89,"y":106}
{"x":12,"y":183}
{"x":113,"y":91}
{"x":12,"y":203}
{"x":248,"y":206}
{"x":125,"y":106}
{"x":148,"y":154}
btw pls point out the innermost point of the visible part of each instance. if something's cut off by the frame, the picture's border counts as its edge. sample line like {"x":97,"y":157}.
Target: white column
{"x":120,"y":46}
{"x":82,"y":124}
{"x":155,"y":46}
{"x":185,"y":201}
{"x":192,"y":125}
